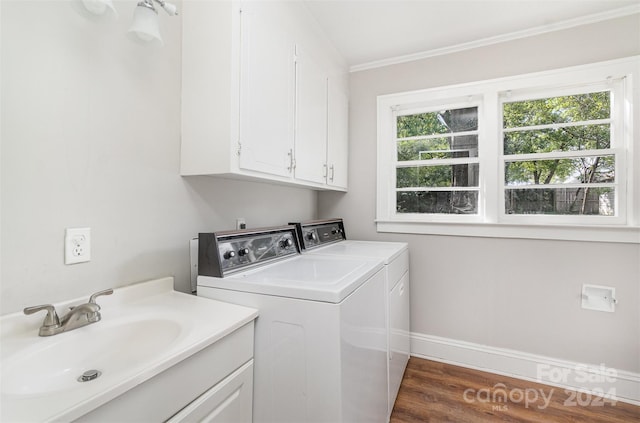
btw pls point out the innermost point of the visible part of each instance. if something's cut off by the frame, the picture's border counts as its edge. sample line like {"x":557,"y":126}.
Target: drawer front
{"x":397,"y":268}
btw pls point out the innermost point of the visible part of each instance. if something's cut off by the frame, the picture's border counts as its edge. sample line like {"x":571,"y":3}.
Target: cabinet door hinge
{"x":239,"y":148}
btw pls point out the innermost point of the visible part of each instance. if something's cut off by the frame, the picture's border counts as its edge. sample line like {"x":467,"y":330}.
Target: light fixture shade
{"x":145,"y":24}
{"x":100,"y":7}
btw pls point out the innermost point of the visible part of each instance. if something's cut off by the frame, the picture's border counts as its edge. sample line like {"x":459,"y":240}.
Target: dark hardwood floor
{"x":438,"y":392}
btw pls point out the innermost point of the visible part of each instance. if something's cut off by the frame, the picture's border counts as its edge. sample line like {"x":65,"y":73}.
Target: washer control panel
{"x":224,"y":253}
{"x":317,"y":233}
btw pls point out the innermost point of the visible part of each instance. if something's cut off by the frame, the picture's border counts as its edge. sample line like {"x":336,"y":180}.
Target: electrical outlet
{"x":240,"y":223}
{"x":77,"y":245}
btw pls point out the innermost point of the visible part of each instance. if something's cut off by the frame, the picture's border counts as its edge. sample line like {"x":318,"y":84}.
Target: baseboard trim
{"x":619,"y":385}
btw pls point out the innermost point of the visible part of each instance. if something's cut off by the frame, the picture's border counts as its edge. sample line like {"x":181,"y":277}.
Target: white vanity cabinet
{"x":213,"y":385}
{"x":228,"y":401}
{"x":158,"y":354}
{"x":263,"y":95}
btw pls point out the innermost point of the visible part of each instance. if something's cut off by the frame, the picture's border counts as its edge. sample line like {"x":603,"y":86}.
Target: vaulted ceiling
{"x":367,"y":32}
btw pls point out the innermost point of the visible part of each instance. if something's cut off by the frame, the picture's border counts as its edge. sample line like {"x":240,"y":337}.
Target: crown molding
{"x":566,"y":24}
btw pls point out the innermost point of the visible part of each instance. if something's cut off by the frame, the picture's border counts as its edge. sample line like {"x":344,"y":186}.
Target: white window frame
{"x":617,"y":149}
{"x":491,"y":220}
{"x":458,"y":103}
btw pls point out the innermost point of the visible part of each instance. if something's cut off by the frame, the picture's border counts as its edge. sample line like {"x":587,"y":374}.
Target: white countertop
{"x":194,"y":323}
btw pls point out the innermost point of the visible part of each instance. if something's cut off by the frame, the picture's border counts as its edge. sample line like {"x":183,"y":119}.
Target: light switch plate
{"x":77,"y":245}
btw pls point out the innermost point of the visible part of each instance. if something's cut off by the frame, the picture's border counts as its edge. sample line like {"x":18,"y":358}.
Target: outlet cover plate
{"x":77,"y":245}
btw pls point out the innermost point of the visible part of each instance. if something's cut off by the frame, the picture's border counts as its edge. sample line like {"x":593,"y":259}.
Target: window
{"x":544,"y":149}
{"x":558,"y":154}
{"x":437,"y":163}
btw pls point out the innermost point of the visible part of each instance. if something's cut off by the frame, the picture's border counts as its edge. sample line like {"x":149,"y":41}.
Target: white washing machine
{"x":328,"y":237}
{"x":320,"y":337}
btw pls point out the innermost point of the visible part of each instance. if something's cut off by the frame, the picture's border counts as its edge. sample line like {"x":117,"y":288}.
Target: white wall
{"x":516,"y":294}
{"x":91,"y":137}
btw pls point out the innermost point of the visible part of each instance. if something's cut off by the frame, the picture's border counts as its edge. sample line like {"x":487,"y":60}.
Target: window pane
{"x":460,"y":175}
{"x":443,"y":202}
{"x":442,"y":122}
{"x":438,"y":148}
{"x":567,"y":201}
{"x":588,"y":137}
{"x":582,"y":170}
{"x":571,"y":108}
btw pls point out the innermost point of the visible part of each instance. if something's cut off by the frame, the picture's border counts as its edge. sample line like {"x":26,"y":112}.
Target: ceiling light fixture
{"x":145,"y":19}
{"x":100,"y":7}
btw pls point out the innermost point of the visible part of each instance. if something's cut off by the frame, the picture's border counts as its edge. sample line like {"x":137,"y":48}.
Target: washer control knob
{"x":311,"y":236}
{"x":243,"y":251}
{"x":229,"y":255}
{"x":286,"y":243}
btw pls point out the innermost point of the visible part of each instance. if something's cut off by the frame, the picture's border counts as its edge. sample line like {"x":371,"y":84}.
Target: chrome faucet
{"x":78,"y":316}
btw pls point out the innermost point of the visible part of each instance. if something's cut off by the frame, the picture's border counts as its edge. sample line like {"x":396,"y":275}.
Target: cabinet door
{"x":230,"y":400}
{"x":311,"y":118}
{"x":338,"y":137}
{"x":267,"y":84}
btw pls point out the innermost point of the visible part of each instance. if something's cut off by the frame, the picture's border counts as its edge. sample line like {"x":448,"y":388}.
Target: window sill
{"x":617,"y":234}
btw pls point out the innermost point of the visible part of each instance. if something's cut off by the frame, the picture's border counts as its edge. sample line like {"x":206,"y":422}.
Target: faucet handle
{"x":92,"y":299}
{"x":50,"y":320}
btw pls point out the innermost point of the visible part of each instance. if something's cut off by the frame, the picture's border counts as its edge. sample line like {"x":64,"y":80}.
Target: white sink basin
{"x":145,"y":329}
{"x":56,"y":363}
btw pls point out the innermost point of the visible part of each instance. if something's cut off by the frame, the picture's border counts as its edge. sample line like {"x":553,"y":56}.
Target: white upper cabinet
{"x":311,"y":118}
{"x":258,"y":101}
{"x":267,"y":87}
{"x":338,"y":136}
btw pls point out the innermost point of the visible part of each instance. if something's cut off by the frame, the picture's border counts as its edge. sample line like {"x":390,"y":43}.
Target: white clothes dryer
{"x":328,"y":238}
{"x":320,"y":337}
